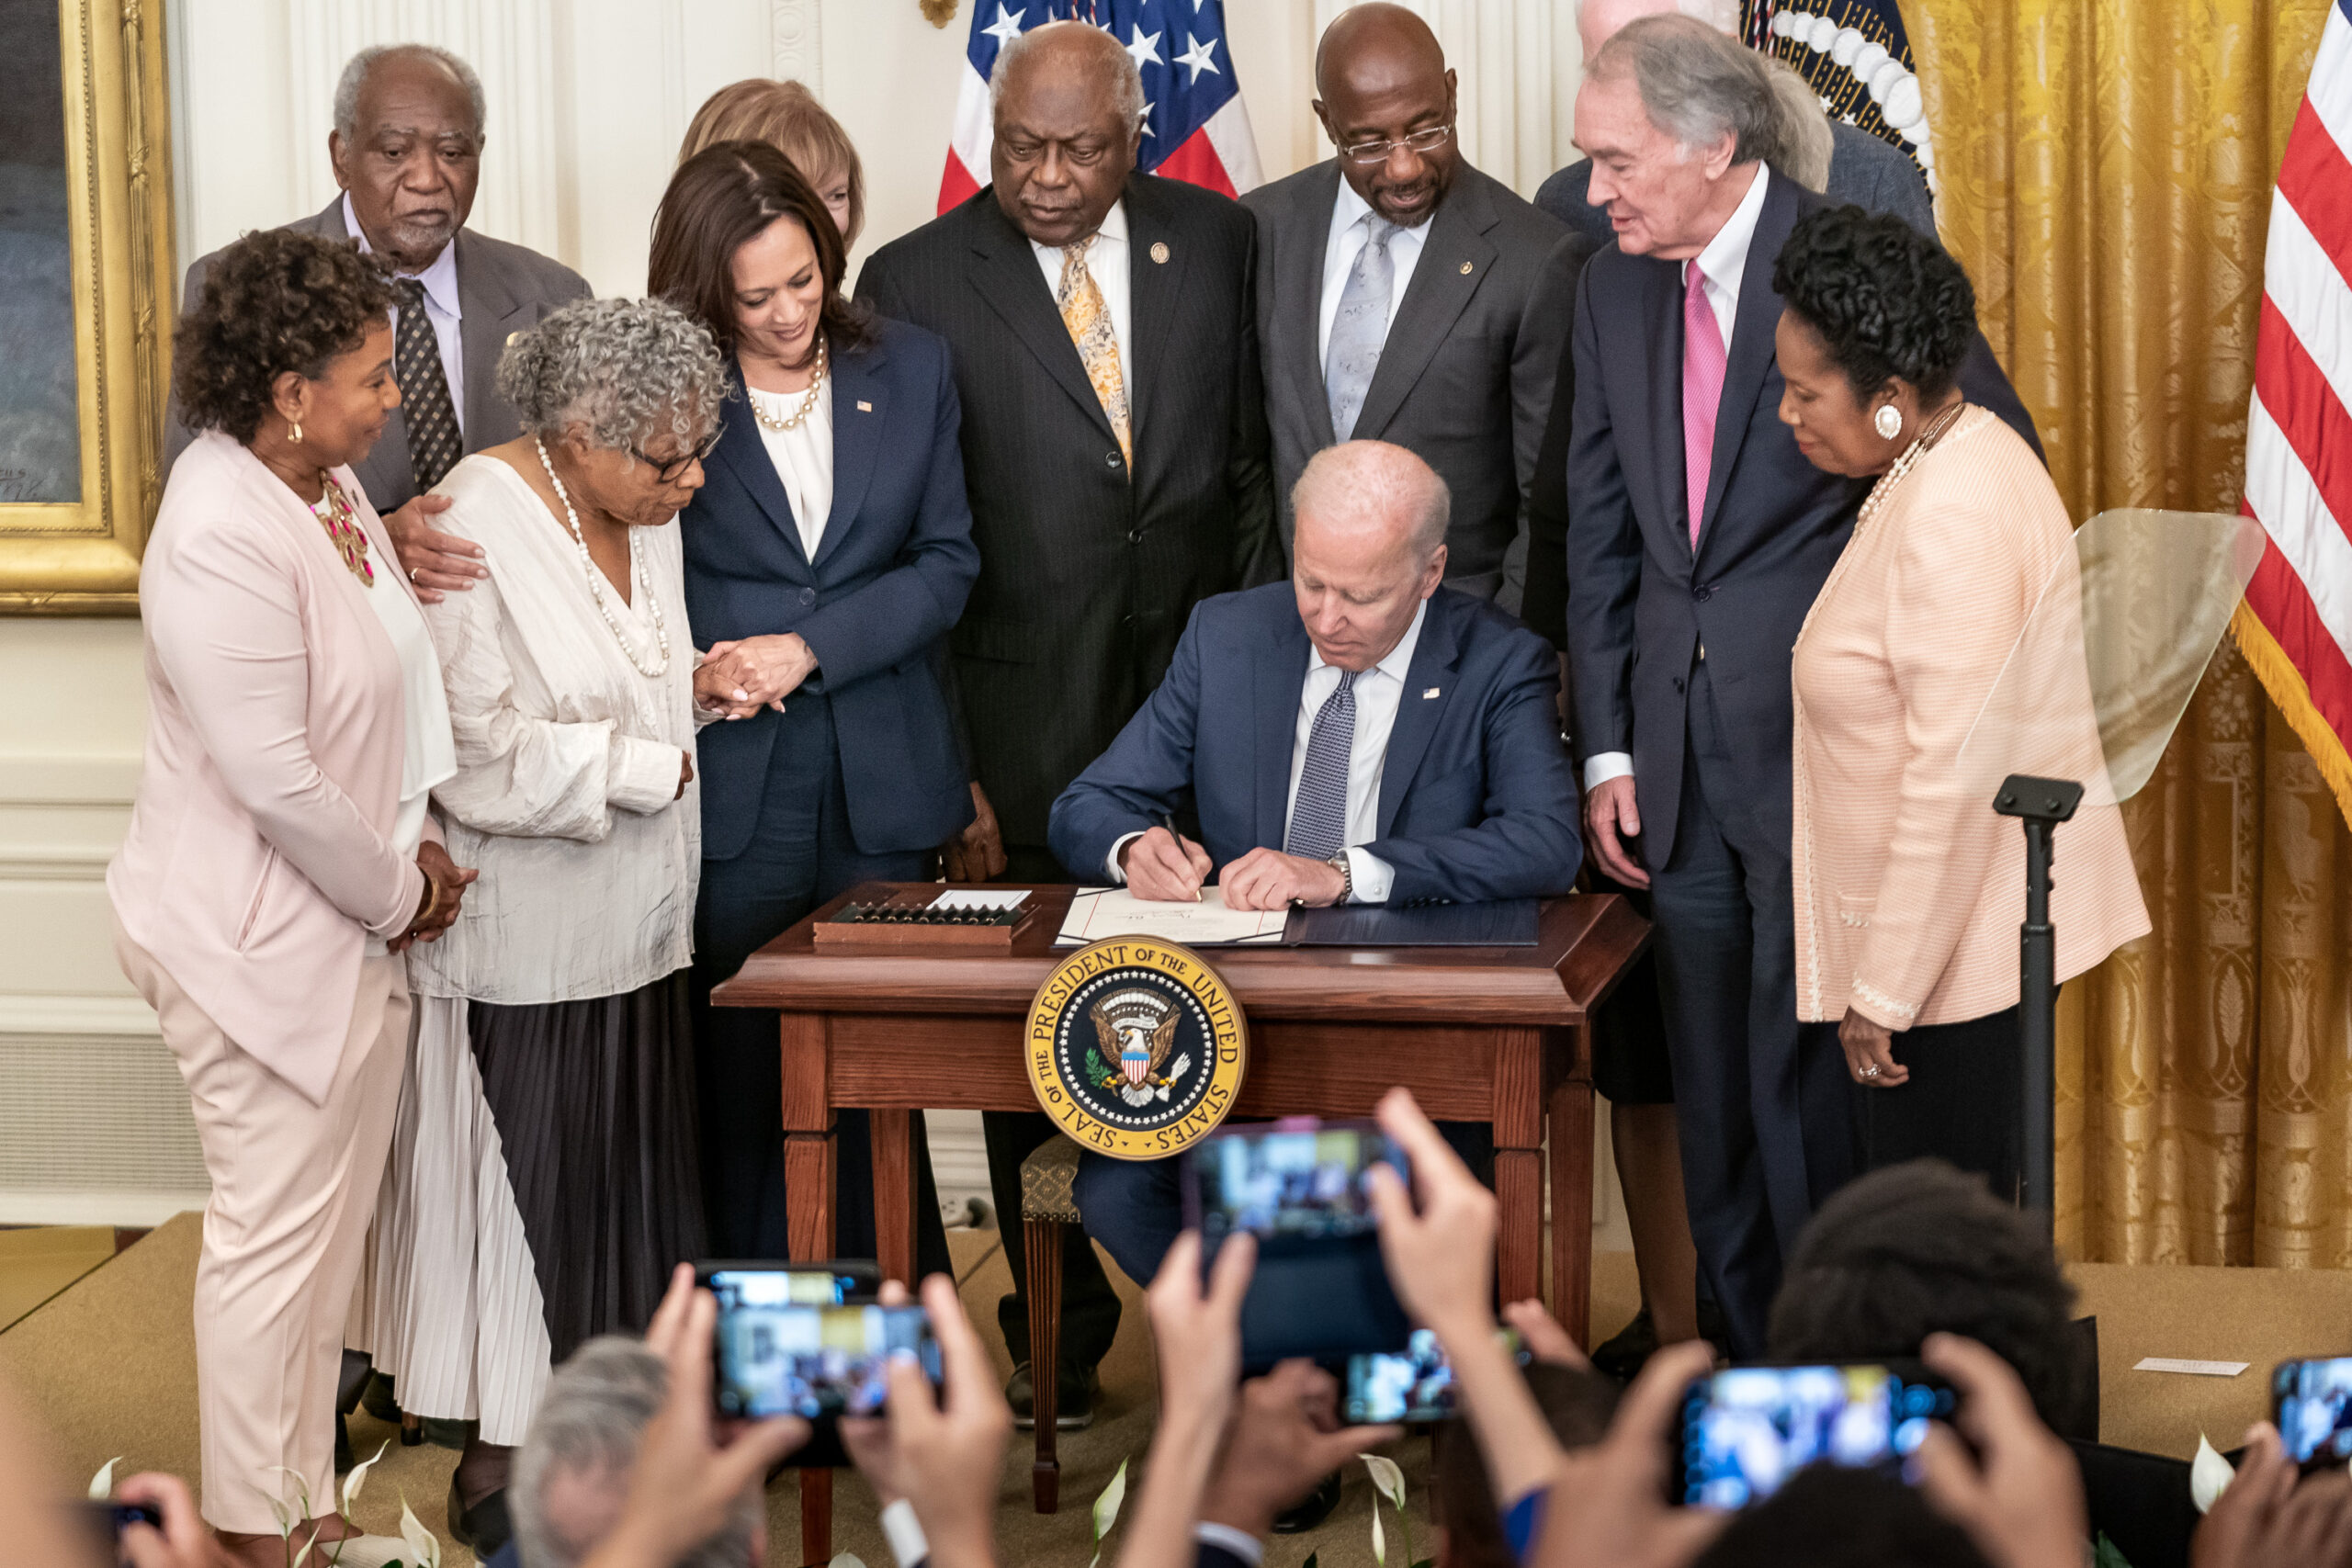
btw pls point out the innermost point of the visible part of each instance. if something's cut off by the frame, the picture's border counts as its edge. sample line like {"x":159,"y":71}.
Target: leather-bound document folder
{"x":1506,"y":922}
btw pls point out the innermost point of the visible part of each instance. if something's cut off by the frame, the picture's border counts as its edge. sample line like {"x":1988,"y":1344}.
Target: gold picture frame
{"x":80,"y":557}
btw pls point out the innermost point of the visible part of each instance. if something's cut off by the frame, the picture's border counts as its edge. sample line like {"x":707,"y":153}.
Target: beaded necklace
{"x":1928,"y":436}
{"x":334,"y":512}
{"x":596,"y":578}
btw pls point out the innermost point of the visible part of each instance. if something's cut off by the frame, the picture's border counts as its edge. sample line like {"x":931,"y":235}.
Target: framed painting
{"x":86,"y":291}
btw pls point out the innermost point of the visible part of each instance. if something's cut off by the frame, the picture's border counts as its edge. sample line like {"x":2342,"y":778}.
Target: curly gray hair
{"x":1127,"y":78}
{"x":355,"y":76}
{"x":625,"y":369}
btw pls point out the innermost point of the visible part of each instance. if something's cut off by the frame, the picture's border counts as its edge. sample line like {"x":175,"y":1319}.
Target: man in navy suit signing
{"x":1360,"y":734}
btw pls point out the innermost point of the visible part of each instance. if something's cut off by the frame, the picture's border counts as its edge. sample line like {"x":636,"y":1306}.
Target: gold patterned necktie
{"x":1089,"y":324}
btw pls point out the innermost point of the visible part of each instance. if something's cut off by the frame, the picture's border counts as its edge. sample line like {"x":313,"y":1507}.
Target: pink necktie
{"x":1703,"y":390}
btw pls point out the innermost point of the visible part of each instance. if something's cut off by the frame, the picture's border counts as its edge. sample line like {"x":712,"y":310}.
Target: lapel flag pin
{"x":1465,"y":269}
{"x":865,"y":407}
{"x":1160,"y":252}
{"x":1428,"y":693}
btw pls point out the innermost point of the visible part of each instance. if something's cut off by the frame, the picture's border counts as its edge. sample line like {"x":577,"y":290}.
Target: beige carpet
{"x":109,"y":1368}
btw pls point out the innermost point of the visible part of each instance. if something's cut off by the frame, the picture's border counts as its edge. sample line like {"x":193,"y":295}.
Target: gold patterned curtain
{"x":2107,"y":168}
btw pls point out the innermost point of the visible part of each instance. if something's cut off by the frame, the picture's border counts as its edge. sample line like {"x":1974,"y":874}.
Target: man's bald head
{"x":1370,"y":546}
{"x":1067,"y":106}
{"x":1598,"y":20}
{"x":1381,"y":76}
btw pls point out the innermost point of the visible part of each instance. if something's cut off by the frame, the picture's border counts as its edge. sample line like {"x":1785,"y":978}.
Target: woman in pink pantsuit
{"x":281,"y":858}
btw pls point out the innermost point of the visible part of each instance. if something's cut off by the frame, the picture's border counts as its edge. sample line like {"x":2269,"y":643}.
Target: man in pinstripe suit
{"x":1115,"y":452}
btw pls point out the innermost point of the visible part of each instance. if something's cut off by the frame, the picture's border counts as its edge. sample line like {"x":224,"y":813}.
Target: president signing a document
{"x":1360,"y":734}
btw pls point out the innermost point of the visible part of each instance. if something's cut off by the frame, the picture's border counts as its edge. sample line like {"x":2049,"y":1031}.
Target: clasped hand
{"x":446,"y":883}
{"x":1172,"y":869}
{"x":738,"y":679}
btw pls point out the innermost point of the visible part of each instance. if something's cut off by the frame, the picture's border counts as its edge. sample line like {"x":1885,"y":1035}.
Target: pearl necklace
{"x":1928,"y":436}
{"x":782,"y":423}
{"x":596,"y":578}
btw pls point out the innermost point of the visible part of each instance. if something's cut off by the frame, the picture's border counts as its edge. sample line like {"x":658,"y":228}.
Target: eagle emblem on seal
{"x":1137,"y":1028}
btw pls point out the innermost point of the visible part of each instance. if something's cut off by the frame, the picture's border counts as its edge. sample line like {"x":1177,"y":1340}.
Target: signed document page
{"x":1098,"y":912}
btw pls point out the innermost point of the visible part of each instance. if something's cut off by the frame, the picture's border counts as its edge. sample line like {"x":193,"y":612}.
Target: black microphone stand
{"x":2041,"y":805}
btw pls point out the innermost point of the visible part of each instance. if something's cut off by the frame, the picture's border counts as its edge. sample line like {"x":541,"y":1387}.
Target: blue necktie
{"x":1360,"y":328}
{"x":1318,"y":818}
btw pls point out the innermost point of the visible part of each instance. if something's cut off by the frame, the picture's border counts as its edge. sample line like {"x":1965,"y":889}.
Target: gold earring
{"x":294,"y":431}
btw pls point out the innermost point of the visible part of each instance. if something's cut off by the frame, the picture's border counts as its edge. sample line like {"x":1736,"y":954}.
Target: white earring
{"x":1888,"y":420}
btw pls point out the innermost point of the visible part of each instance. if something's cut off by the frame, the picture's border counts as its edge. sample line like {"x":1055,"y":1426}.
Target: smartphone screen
{"x":2311,"y":1406}
{"x":1291,"y":1184}
{"x":777,"y":1356}
{"x":1412,"y":1385}
{"x":1320,"y":1288}
{"x":1746,"y":1430}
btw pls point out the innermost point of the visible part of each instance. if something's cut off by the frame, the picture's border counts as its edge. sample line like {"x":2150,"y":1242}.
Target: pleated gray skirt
{"x":544,"y":1182}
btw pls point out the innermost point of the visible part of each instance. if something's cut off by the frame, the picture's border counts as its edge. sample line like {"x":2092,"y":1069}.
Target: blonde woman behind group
{"x":787,"y":117}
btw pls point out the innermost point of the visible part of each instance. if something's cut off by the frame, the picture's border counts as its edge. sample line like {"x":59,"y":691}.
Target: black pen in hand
{"x":1168,"y":820}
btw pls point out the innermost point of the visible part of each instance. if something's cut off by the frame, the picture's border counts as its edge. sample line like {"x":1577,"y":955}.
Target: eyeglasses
{"x":1421,"y":142}
{"x":667,"y":469}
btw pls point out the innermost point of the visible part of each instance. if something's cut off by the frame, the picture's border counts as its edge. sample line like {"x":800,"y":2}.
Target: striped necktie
{"x":1318,"y":818}
{"x":1088,"y":320}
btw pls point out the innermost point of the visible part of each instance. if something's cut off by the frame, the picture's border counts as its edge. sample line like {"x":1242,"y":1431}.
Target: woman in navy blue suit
{"x":827,"y":555}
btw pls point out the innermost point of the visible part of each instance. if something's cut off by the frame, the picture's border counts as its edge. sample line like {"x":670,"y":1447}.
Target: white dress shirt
{"x":1351,"y":229}
{"x":1108,"y":261}
{"x":1379,"y":692}
{"x":1723,"y":262}
{"x":441,"y":307}
{"x":566,"y":794}
{"x":803,"y":456}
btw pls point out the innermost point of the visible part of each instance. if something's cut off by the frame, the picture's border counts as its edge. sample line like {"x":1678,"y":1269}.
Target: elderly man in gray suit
{"x":407,"y":151}
{"x":1403,"y":296}
{"x":1865,"y":170}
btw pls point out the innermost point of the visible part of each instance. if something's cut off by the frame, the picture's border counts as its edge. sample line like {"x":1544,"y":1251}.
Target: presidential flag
{"x":1195,"y":126}
{"x":2295,"y":627}
{"x":1858,"y":57}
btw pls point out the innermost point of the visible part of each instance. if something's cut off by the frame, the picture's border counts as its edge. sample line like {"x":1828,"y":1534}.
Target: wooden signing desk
{"x":1495,"y":1035}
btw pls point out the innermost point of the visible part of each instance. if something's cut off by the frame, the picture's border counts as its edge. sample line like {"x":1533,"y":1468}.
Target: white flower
{"x":2209,"y":1475}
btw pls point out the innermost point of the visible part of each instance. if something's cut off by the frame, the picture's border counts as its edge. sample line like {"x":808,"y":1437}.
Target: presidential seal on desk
{"x":1134,"y":1047}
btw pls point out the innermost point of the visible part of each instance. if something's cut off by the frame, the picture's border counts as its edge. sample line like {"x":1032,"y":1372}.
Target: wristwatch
{"x":1346,"y":868}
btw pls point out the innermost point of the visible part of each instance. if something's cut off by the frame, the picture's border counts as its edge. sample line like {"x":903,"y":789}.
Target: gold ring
{"x":411,"y":574}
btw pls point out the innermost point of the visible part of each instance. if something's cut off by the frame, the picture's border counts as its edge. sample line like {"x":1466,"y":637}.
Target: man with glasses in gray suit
{"x":1404,"y":297}
{"x":407,"y":151}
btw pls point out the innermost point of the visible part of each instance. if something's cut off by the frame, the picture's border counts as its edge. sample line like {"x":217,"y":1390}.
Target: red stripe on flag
{"x":1195,"y":162}
{"x":2298,"y":398}
{"x":956,"y":187}
{"x":2278,"y":597}
{"x":2315,"y":179}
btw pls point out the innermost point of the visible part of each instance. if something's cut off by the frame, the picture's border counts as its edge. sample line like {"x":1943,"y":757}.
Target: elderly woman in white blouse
{"x":544,"y":1171}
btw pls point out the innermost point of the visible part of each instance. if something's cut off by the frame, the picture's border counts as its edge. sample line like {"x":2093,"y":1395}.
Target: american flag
{"x":1197,"y":127}
{"x":2296,"y":627}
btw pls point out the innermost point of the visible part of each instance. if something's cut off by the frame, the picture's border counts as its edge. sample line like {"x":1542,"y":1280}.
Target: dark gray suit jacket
{"x":1641,"y":600}
{"x":1086,"y":576}
{"x":1864,"y":171}
{"x":1466,"y":375}
{"x":502,"y":290}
